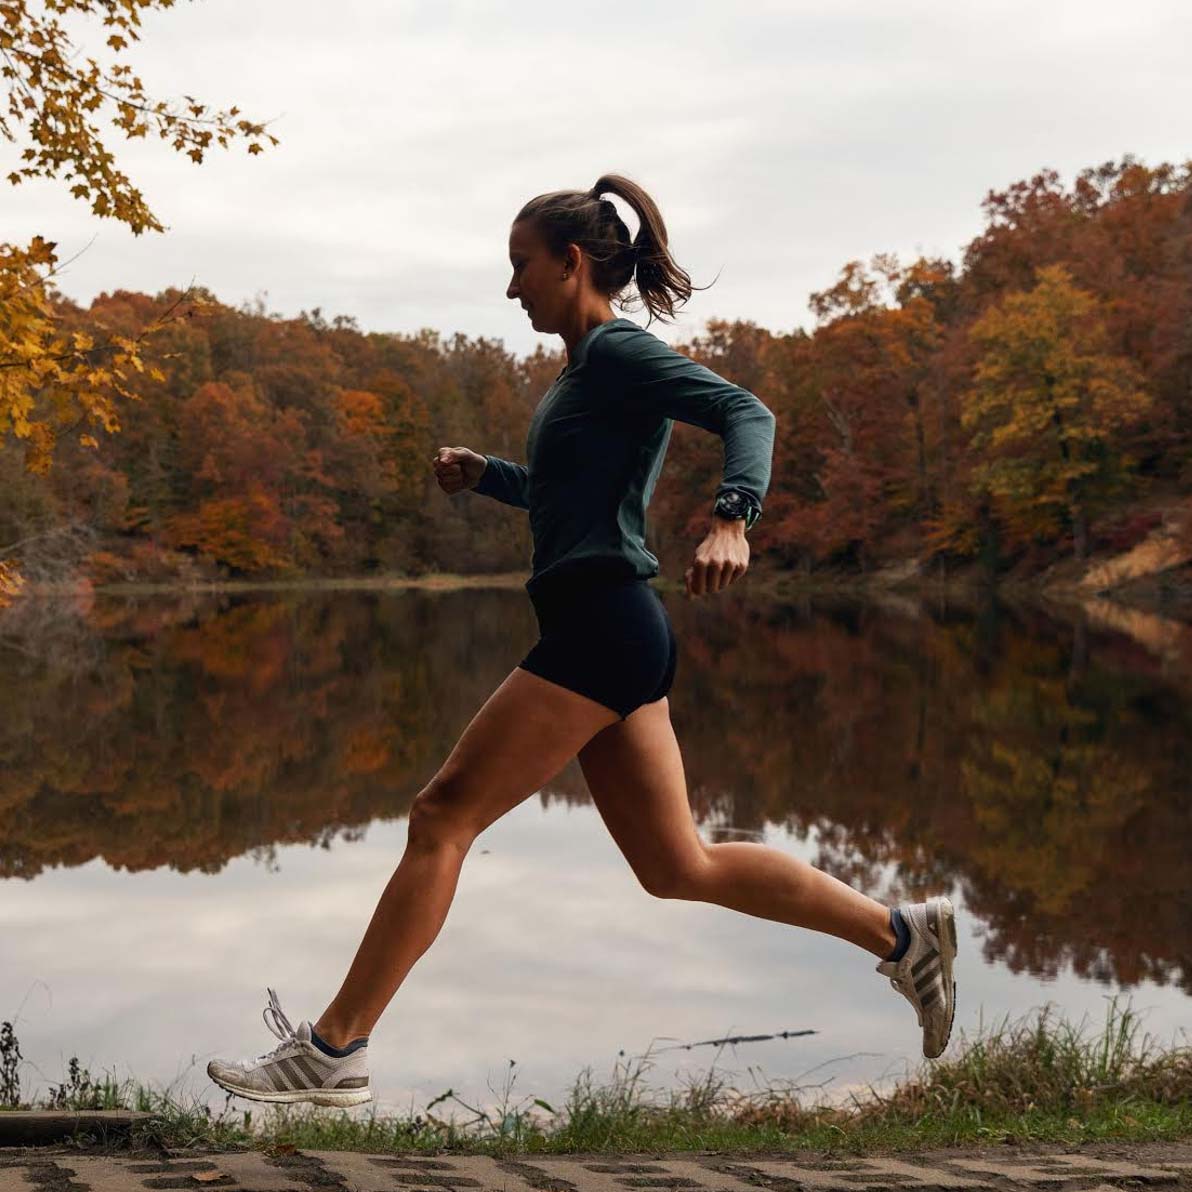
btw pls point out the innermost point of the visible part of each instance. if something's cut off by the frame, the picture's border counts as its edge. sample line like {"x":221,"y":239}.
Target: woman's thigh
{"x":634,"y":771}
{"x":522,"y":736}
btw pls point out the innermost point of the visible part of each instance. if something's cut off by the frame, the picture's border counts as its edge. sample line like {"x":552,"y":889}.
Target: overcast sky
{"x":780,"y":140}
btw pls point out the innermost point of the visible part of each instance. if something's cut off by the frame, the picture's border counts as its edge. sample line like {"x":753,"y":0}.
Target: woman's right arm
{"x":504,"y":481}
{"x":460,"y":468}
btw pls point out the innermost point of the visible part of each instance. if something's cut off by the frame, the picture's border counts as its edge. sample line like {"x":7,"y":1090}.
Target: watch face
{"x":735,"y":504}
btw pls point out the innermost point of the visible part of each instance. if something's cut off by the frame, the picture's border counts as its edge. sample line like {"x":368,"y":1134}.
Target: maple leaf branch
{"x":159,"y":322}
{"x":162,"y":115}
{"x":41,"y":279}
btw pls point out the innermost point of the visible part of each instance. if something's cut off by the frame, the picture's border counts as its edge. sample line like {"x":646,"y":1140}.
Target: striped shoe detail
{"x":314,"y":1073}
{"x":277,"y":1076}
{"x":288,"y":1069}
{"x":923,"y":975}
{"x":296,"y":1069}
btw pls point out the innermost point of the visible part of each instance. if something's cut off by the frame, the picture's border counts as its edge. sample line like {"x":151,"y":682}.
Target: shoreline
{"x":1161,"y":594}
{"x":1040,"y":1079}
{"x":1153,"y":610}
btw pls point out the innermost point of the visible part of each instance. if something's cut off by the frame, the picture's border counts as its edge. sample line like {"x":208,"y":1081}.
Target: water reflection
{"x":1039,"y":765}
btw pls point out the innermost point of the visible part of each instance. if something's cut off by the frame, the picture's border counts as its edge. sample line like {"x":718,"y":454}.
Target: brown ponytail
{"x":586,"y":219}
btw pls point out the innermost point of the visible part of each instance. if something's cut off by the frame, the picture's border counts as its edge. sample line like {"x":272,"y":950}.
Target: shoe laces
{"x":277,"y":1022}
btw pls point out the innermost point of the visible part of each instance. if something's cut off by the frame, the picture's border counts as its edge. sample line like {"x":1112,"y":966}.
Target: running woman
{"x":595,"y":683}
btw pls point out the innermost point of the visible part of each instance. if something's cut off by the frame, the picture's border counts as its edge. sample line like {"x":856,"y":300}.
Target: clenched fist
{"x":457,"y":468}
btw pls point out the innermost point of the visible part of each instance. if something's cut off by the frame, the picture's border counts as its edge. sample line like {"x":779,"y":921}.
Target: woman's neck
{"x":589,"y":320}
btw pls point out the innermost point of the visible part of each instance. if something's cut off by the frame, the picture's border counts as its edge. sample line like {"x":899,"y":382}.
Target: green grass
{"x":1040,"y":1078}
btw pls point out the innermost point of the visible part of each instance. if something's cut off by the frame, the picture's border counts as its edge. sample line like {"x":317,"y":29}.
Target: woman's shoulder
{"x":625,"y":343}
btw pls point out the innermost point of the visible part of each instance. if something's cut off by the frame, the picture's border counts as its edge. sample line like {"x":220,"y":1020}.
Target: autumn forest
{"x":1014,"y":405}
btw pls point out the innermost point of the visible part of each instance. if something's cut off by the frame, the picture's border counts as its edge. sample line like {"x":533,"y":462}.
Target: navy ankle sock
{"x":902,"y":931}
{"x":337,"y":1052}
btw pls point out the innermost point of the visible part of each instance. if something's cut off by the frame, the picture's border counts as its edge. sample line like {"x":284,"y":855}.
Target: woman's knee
{"x":684,"y":878}
{"x":439,"y":816}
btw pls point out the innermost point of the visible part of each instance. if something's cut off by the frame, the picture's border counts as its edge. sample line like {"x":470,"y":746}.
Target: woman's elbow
{"x":764,"y":410}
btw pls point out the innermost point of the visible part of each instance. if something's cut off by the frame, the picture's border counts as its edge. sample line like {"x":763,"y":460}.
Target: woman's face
{"x":538,"y":282}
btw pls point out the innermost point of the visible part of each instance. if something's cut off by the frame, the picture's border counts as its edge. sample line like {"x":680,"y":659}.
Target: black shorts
{"x":611,"y":641}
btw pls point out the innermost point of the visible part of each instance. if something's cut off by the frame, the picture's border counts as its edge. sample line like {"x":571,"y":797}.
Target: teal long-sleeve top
{"x":596,"y":443}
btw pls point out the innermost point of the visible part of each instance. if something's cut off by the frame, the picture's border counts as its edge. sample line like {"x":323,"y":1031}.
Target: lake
{"x":204,"y":795}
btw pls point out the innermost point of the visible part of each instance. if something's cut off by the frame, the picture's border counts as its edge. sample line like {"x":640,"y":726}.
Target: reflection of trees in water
{"x":1060,"y":811}
{"x":1040,"y":771}
{"x":1048,"y":786}
{"x":1039,"y":767}
{"x":199,"y":733}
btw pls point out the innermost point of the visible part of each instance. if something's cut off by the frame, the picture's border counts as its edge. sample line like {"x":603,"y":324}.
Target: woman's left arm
{"x":645,"y":375}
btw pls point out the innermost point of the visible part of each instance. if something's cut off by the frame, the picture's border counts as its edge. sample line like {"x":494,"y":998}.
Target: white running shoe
{"x":295,"y":1070}
{"x":924,"y":974}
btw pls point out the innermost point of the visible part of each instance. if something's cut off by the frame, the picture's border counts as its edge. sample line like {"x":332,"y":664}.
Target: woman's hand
{"x":721,"y":558}
{"x":457,"y":468}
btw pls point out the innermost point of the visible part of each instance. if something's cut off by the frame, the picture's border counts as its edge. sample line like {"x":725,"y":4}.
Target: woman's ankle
{"x":337,"y":1034}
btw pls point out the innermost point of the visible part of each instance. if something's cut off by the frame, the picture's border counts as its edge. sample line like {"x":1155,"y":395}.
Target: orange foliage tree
{"x":868,"y":367}
{"x":51,"y":381}
{"x":1046,"y":408}
{"x":908,"y":421}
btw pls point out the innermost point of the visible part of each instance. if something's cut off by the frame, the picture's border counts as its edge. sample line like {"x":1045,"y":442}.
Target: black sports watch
{"x":732,"y":505}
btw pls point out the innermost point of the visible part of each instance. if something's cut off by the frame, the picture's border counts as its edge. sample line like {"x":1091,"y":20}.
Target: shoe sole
{"x":337,"y":1097}
{"x":946,"y":934}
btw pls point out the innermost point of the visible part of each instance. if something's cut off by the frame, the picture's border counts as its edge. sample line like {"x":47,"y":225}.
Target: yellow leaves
{"x":39,"y":448}
{"x":50,"y":379}
{"x":53,"y":92}
{"x":1046,"y":402}
{"x":41,"y":251}
{"x":88,"y":441}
